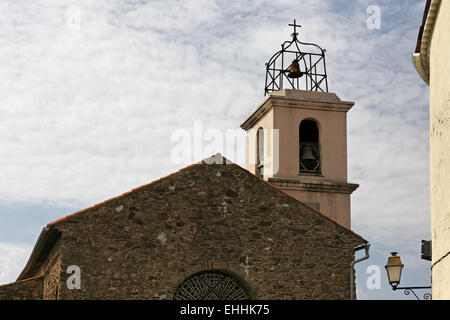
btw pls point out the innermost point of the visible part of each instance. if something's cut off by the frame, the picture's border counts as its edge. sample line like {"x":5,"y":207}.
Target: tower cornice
{"x":314,"y":186}
{"x":297,"y":99}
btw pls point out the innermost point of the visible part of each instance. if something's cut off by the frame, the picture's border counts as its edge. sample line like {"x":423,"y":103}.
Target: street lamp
{"x":394,"y":269}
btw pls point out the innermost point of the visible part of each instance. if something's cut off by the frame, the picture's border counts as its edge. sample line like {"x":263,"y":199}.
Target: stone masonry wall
{"x":30,"y":289}
{"x":207,"y":217}
{"x":52,"y":274}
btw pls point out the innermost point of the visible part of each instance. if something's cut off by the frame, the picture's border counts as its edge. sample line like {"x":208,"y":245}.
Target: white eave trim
{"x":422,"y":60}
{"x":417,"y":60}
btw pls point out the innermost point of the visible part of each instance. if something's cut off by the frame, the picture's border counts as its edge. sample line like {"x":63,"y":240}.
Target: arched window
{"x":260,"y":152}
{"x":309,"y":147}
{"x":211,"y":285}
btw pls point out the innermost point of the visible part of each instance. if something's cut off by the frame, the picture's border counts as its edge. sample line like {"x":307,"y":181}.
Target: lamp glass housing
{"x":394,"y":269}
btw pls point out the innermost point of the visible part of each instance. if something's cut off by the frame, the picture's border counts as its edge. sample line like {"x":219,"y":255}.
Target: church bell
{"x":307,"y":153}
{"x":294,"y":70}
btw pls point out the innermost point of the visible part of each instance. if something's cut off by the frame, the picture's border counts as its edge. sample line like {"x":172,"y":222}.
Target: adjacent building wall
{"x":440,"y":151}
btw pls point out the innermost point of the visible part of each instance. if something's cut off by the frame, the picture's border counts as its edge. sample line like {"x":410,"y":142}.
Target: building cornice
{"x":314,"y":186}
{"x":297,"y":99}
{"x":421,"y":58}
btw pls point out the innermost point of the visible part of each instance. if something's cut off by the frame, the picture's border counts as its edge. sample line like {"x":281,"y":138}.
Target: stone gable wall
{"x":207,"y":217}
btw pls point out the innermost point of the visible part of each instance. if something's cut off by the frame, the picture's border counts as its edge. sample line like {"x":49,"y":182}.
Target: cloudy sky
{"x":93,"y":93}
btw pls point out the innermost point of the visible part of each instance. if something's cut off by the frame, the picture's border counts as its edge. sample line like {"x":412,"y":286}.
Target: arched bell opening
{"x":309,"y":147}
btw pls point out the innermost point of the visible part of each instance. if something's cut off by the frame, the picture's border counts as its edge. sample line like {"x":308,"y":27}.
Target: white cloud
{"x":13,"y":258}
{"x":87,"y":113}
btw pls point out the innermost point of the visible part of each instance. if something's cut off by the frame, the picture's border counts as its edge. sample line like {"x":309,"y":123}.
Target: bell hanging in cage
{"x":294,"y":70}
{"x":307,"y":153}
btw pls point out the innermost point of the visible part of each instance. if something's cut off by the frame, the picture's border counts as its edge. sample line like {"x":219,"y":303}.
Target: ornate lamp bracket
{"x":408,"y":290}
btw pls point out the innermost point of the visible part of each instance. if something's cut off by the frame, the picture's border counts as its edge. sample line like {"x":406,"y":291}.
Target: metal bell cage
{"x":298,"y":65}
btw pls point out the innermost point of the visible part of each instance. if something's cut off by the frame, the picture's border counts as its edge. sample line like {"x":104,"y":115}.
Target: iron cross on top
{"x":295,"y":25}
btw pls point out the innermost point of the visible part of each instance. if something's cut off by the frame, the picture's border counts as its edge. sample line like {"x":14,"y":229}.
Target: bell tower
{"x":297,"y":135}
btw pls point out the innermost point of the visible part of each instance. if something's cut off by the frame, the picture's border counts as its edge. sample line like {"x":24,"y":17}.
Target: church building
{"x":277,"y":230}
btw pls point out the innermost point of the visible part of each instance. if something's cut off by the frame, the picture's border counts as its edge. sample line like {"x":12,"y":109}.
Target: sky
{"x":95,"y":93}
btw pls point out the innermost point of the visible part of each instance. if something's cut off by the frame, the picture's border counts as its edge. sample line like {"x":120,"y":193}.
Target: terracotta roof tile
{"x":23,"y":280}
